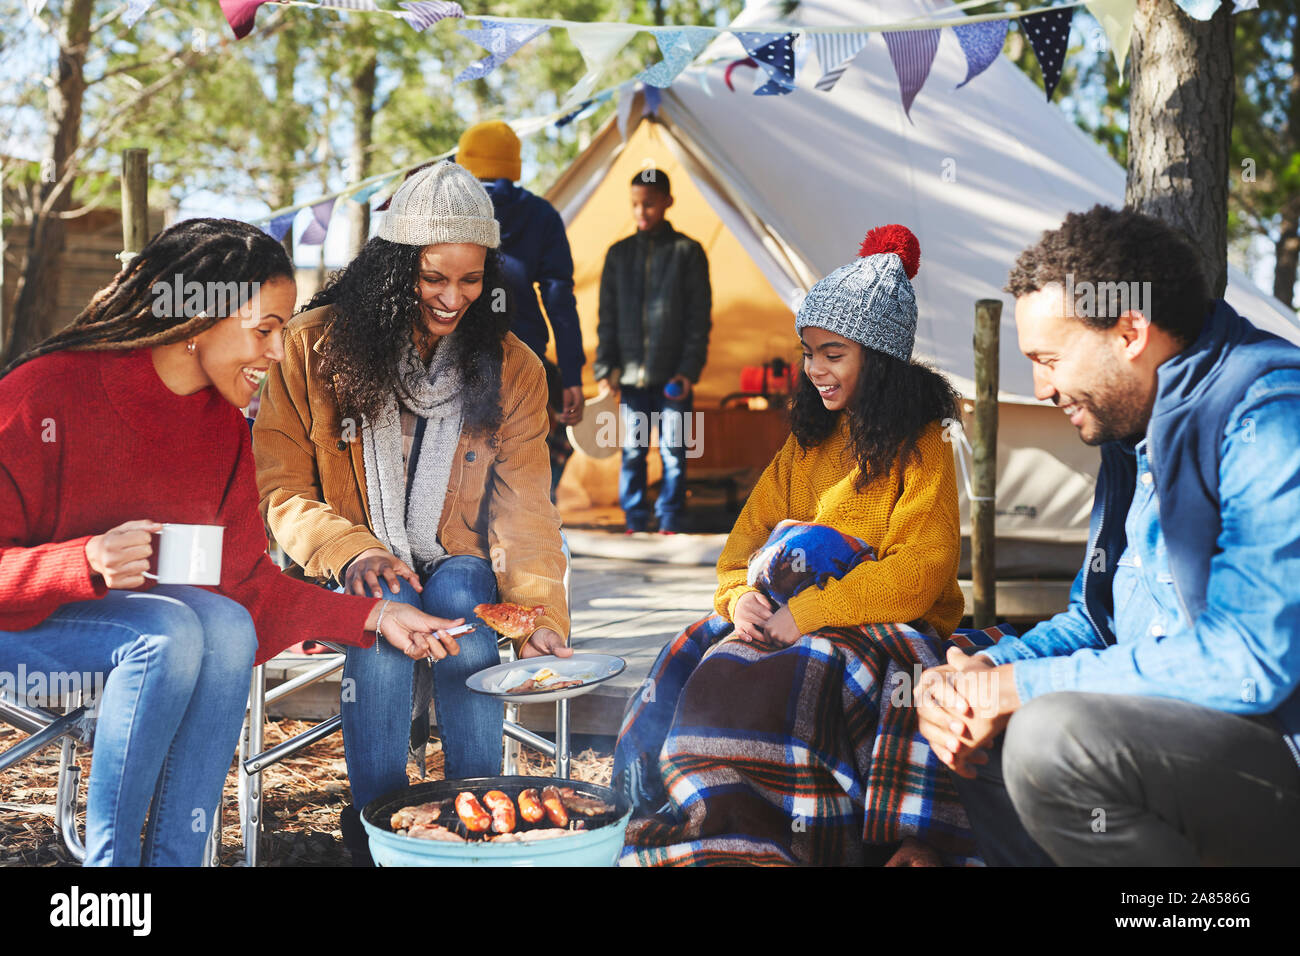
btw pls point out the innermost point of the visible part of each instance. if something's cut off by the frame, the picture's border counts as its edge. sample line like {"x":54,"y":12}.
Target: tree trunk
{"x":1180,"y":126}
{"x":363,"y":121}
{"x":1288,"y":254}
{"x":36,"y":295}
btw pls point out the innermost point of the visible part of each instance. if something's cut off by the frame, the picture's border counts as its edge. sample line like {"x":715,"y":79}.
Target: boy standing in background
{"x":652,"y":343}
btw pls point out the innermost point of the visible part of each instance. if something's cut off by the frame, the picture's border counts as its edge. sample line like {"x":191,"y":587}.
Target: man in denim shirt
{"x":1156,"y":720}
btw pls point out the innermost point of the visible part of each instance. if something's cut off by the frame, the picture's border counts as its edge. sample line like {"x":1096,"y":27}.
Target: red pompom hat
{"x":870,"y":300}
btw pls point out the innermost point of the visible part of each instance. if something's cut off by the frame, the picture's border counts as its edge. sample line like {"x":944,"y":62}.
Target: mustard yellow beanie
{"x":490,"y":151}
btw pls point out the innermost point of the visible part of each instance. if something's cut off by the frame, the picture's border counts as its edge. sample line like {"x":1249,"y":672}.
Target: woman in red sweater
{"x":127,"y":419}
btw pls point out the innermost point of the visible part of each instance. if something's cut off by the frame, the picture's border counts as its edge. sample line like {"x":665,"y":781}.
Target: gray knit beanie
{"x":870,"y":300}
{"x":443,"y":203}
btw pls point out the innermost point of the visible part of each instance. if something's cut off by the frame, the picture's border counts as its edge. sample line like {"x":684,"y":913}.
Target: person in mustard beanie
{"x":840,"y":570}
{"x":534,"y":256}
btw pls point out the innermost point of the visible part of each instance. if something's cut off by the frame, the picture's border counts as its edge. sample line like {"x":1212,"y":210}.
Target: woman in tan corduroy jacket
{"x":401,"y":452}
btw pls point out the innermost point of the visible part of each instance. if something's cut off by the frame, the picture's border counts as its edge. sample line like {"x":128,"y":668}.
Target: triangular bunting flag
{"x":912,"y":53}
{"x":135,"y":9}
{"x":240,"y":15}
{"x":1199,"y":9}
{"x":314,"y":234}
{"x":982,"y":44}
{"x":1116,"y":18}
{"x":502,"y":41}
{"x":678,"y":47}
{"x":362,"y":195}
{"x":598,"y":43}
{"x":422,"y":14}
{"x":835,"y":51}
{"x":1049,"y":35}
{"x":774,"y":53}
{"x":1239,"y":5}
{"x":34,"y":7}
{"x":568,"y":118}
{"x":280,"y":225}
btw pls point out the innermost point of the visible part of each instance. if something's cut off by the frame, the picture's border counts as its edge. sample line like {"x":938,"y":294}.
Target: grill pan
{"x":596,"y":845}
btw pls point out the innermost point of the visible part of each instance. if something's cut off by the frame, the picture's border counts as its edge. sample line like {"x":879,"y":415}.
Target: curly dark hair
{"x":122,"y":315}
{"x":376,"y":311}
{"x":893,"y":403}
{"x":1112,"y":249}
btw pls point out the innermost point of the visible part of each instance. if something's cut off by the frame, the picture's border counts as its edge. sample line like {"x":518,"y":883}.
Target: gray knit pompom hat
{"x":870,"y":300}
{"x":443,"y":203}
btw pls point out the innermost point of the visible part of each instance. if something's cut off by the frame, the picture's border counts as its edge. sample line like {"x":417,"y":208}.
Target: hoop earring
{"x":189,"y":346}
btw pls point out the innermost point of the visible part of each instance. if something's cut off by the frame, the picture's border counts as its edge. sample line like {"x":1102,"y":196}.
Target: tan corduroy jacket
{"x":311,"y":478}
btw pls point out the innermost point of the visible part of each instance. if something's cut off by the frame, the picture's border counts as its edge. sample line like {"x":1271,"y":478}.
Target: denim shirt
{"x":1242,"y":654}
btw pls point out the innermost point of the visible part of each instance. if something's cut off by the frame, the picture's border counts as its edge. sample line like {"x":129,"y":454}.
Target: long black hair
{"x":376,"y":311}
{"x":122,"y":315}
{"x":892,"y":404}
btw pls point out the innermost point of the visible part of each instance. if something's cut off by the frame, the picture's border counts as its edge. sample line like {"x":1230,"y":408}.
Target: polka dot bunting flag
{"x":1049,"y":36}
{"x":775,"y":54}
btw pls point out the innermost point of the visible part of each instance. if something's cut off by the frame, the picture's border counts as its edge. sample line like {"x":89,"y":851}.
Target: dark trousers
{"x":643,"y":410}
{"x":1115,"y":780}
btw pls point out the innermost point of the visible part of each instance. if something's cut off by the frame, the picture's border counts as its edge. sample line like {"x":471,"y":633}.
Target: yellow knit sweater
{"x":909,"y":518}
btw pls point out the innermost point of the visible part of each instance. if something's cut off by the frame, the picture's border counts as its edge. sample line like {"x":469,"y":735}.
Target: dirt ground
{"x":301,"y":799}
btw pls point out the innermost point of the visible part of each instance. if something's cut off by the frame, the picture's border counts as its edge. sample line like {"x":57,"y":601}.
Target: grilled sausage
{"x":555,"y":807}
{"x":503,"y":811}
{"x":530,"y":806}
{"x":471,"y":813}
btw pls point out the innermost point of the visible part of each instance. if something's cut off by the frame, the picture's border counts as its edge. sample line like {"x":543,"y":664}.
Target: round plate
{"x":592,"y":436}
{"x":592,"y":669}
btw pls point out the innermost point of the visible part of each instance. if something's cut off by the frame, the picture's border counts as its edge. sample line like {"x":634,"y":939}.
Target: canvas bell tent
{"x":781,"y":190}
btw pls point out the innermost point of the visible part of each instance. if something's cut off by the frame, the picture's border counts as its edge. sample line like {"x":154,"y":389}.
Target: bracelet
{"x":379,"y":623}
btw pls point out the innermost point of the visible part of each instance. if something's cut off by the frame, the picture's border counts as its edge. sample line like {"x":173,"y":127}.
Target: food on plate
{"x":528,"y":836}
{"x":422,"y":815}
{"x":434,"y":832}
{"x":575,"y":802}
{"x":554,"y":805}
{"x":544,"y":679}
{"x":471,"y":813}
{"x":513,"y":621}
{"x":530,"y":805}
{"x":503,"y":810}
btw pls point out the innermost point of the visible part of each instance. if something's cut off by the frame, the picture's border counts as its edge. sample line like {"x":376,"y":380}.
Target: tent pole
{"x":988,"y":317}
{"x":135,"y":203}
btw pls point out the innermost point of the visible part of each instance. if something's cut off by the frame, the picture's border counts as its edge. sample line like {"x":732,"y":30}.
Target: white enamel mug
{"x":189,"y":554}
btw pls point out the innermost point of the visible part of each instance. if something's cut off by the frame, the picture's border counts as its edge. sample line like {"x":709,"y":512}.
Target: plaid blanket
{"x":737,"y":753}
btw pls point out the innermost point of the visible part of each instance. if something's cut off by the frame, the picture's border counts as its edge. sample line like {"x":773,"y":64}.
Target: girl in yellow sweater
{"x":773,"y":730}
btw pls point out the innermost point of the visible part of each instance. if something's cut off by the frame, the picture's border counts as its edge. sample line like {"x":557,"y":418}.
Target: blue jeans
{"x":378,"y":684}
{"x":175,"y":663}
{"x":636,"y":408}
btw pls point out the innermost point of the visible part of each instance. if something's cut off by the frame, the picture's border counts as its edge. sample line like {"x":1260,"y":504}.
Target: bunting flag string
{"x":1049,"y":35}
{"x":835,"y":51}
{"x":315,"y":232}
{"x":363,"y":195}
{"x":982,"y":44}
{"x":502,"y":41}
{"x":912,"y":54}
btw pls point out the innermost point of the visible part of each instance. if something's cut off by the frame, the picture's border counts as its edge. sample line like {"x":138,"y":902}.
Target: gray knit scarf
{"x":406,"y":519}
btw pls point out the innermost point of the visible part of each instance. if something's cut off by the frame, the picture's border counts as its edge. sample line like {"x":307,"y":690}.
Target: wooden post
{"x":135,"y":202}
{"x":984,"y":440}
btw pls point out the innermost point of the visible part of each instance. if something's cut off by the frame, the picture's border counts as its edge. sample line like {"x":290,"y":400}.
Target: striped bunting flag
{"x":912,"y":52}
{"x":422,"y":14}
{"x":835,"y":51}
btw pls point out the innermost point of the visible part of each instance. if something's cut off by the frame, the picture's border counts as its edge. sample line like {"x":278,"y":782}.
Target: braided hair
{"x":121,"y":316}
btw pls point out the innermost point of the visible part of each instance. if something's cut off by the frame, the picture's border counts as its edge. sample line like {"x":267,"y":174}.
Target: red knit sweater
{"x":89,"y":440}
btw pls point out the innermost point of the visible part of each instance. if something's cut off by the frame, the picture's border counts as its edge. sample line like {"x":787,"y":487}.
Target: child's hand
{"x":781,"y":628}
{"x":752,"y":612}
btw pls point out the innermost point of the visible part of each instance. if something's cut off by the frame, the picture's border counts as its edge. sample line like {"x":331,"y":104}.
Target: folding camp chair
{"x":253,"y":760}
{"x":46,"y":727}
